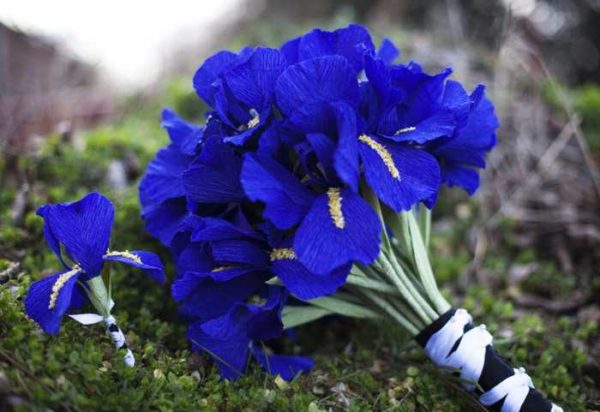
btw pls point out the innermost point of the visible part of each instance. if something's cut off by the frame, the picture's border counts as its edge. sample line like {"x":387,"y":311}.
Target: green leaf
{"x":368,"y":283}
{"x":342,"y":307}
{"x":299,"y":315}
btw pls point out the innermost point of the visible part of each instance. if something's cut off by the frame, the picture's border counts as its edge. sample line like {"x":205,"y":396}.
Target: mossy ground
{"x":358,"y":367}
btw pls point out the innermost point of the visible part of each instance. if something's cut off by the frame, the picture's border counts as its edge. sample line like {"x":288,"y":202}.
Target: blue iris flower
{"x":464,"y":152}
{"x":162,"y":194}
{"x":226,"y":263}
{"x":232,"y":337}
{"x":239,"y":88}
{"x":222,"y":265}
{"x":335,"y":228}
{"x":79,"y":234}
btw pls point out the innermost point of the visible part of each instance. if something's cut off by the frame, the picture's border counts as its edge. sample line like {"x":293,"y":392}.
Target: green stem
{"x":372,"y":284}
{"x":393,"y":313}
{"x":343,"y":307}
{"x":96,"y":291}
{"x":403,"y":285}
{"x":373,"y":200}
{"x":425,"y":224}
{"x":413,"y":288}
{"x":398,"y":223}
{"x":423,"y":266}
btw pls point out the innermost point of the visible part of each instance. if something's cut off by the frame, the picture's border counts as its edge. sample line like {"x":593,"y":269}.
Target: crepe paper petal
{"x":163,"y":179}
{"x":221,"y":339}
{"x":49,"y":299}
{"x":83,"y":228}
{"x":401,"y":176}
{"x":329,"y":78}
{"x":340,"y":228}
{"x":184,"y":135}
{"x":286,"y":199}
{"x":147,"y":261}
{"x":304,"y":284}
{"x":288,"y":367}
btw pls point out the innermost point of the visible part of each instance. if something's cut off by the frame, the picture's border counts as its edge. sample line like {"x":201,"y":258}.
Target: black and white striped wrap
{"x":453,"y":342}
{"x":118,"y":338}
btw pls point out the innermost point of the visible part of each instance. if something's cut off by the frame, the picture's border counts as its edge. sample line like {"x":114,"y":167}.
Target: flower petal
{"x":471,"y":143}
{"x":339,"y":229}
{"x":194,"y":257}
{"x":83,"y":227}
{"x":239,"y":251}
{"x":422,"y":116}
{"x":265,"y":322}
{"x":464,"y":177}
{"x":163,"y":179}
{"x":207,"y":77}
{"x":351,"y":42}
{"x":329,"y":78}
{"x":346,"y":155}
{"x":167,"y":220}
{"x":285,"y":366}
{"x":78,"y":297}
{"x":214,"y":176}
{"x":224,"y":342}
{"x":253,"y":81}
{"x":203,"y":297}
{"x":289,"y":49}
{"x":306,"y":285}
{"x":48,"y":299}
{"x":184,"y":135}
{"x":147,"y":261}
{"x":211,"y":229}
{"x":331,"y":129}
{"x":401,"y":176}
{"x":51,"y":239}
{"x":286,"y":199}
{"x":388,"y":52}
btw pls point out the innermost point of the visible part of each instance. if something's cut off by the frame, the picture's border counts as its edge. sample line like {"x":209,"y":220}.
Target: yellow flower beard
{"x":405,"y":130}
{"x":282,"y":253}
{"x":60,"y":283}
{"x":383,"y":153}
{"x":126,"y":254}
{"x":335,"y":207}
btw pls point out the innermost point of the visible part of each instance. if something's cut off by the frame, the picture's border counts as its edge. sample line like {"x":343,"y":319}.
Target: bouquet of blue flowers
{"x":307,"y":193}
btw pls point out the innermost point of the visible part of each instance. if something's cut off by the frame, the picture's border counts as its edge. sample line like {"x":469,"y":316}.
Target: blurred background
{"x":82,"y":85}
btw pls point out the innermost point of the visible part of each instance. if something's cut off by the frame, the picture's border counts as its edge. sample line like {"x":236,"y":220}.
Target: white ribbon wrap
{"x":114,"y":331}
{"x":469,"y":359}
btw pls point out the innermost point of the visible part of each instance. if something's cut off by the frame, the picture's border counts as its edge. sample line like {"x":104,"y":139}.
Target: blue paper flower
{"x":335,"y":228}
{"x":226,"y":263}
{"x":240,"y":89}
{"x":464,"y":152}
{"x":231,"y":338}
{"x":79,"y":235}
{"x":162,"y":194}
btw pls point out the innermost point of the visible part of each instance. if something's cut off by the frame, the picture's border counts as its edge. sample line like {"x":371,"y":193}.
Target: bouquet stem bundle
{"x":400,"y":286}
